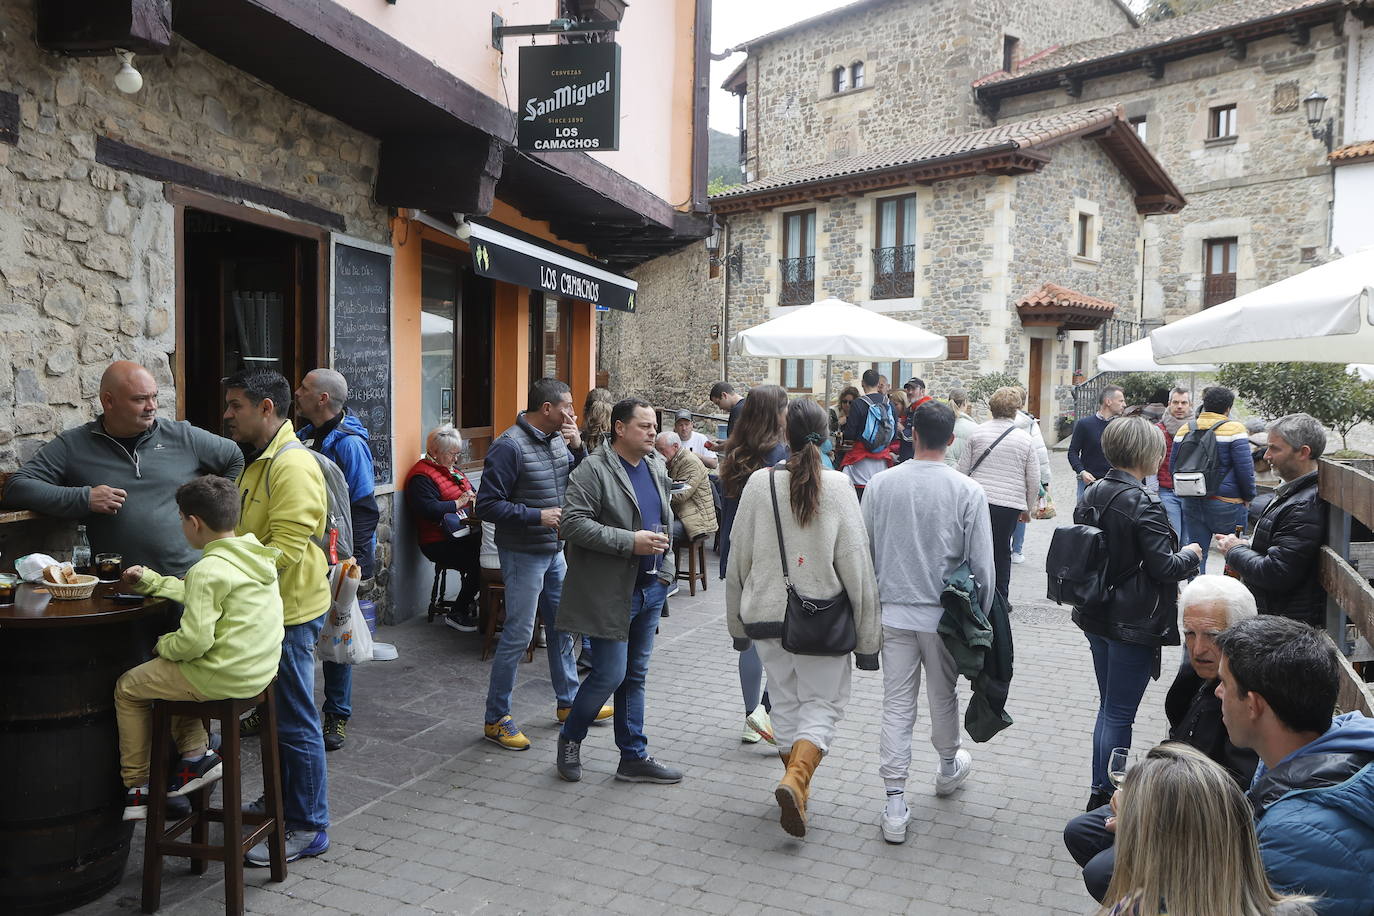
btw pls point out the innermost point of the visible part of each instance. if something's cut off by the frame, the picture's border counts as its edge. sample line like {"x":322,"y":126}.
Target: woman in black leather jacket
{"x":1145,"y":566}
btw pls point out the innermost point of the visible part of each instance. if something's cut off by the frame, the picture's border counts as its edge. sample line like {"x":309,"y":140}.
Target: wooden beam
{"x":1348,"y":487}
{"x":1154,"y":66}
{"x":87,"y":28}
{"x":1354,"y":694}
{"x":126,"y":158}
{"x":1349,"y":589}
{"x":449,"y":174}
{"x":1299,"y":32}
{"x":1072,"y":85}
{"x":1235,"y":47}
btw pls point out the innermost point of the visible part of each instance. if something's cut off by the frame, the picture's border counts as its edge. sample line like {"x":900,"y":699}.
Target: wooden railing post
{"x":1338,"y":539}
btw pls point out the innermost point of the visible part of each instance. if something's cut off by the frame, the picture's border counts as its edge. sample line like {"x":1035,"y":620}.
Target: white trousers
{"x":808,"y":692}
{"x":905,"y":652}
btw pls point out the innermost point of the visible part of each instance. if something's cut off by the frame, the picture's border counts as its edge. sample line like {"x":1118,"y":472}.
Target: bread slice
{"x":69,"y":574}
{"x":53,"y":574}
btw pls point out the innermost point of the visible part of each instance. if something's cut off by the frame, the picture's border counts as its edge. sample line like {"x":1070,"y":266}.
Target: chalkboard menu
{"x":362,"y":340}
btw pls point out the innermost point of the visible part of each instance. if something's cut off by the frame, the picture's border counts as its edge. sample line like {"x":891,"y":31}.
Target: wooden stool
{"x":161,"y":838}
{"x":696,"y":562}
{"x":436,"y":592}
{"x":493,"y":605}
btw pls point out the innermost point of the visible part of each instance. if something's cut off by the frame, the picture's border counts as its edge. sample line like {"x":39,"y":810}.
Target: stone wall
{"x":1270,"y":187}
{"x":919,"y":58}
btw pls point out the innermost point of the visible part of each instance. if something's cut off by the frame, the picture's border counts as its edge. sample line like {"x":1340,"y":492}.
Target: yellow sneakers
{"x":606,"y":712}
{"x":506,"y":734}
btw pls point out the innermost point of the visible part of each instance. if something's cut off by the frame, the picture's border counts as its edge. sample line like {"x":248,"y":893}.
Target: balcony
{"x":894,"y":272}
{"x":1218,"y":288}
{"x":798,"y":281}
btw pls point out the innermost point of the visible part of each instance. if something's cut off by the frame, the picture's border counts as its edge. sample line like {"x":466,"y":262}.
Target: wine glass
{"x":1118,"y":764}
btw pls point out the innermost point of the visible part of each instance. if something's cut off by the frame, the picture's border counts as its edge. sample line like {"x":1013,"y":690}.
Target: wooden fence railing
{"x":1348,"y":489}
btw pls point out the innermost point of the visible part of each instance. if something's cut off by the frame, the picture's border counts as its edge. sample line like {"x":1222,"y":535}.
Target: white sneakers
{"x":894,"y":823}
{"x":963,"y":765}
{"x":894,"y":826}
{"x":1018,"y":558}
{"x":758,"y":725}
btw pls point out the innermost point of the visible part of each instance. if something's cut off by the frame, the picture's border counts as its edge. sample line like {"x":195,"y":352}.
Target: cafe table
{"x":63,"y":840}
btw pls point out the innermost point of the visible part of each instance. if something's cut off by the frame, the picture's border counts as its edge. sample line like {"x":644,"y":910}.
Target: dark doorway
{"x":251,"y":299}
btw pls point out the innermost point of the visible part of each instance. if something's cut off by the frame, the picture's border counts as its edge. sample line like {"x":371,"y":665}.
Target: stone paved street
{"x":429,"y":818}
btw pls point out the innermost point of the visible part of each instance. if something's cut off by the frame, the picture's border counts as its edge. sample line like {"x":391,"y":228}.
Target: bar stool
{"x":161,"y":838}
{"x":437,"y":592}
{"x":493,"y":604}
{"x":696,"y":562}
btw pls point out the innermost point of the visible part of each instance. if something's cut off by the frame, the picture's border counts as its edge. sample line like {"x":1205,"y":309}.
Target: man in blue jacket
{"x":1226,"y":507}
{"x":1313,"y":793}
{"x":340,"y":436}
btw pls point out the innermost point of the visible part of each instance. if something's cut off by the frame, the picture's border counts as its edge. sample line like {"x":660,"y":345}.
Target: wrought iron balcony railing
{"x":894,"y":272}
{"x":798,"y":281}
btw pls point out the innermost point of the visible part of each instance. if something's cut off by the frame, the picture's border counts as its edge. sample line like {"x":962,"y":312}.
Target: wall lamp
{"x":127,"y":79}
{"x":733,"y":261}
{"x":1314,"y":105}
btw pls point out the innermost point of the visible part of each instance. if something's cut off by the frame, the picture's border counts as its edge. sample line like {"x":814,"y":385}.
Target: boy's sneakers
{"x":953,"y":774}
{"x":136,"y":804}
{"x":250,"y":725}
{"x":760,"y":724}
{"x":191,"y":775}
{"x":507,"y":734}
{"x":896,"y":816}
{"x":299,"y":844}
{"x":463,"y":620}
{"x":603,"y":715}
{"x":335,"y":731}
{"x":1018,"y":557}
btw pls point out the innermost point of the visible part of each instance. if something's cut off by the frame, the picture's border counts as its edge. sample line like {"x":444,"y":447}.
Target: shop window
{"x":796,"y":374}
{"x":957,"y":347}
{"x":456,"y":348}
{"x":1221,"y":122}
{"x":550,"y":337}
{"x":1140,"y":124}
{"x":1219,"y":281}
{"x":894,"y":258}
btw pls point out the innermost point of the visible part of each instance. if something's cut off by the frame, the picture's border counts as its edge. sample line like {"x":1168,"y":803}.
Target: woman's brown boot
{"x":792,"y":791}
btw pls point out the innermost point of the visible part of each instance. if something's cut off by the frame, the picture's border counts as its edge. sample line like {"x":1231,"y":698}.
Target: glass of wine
{"x":1117,"y":765}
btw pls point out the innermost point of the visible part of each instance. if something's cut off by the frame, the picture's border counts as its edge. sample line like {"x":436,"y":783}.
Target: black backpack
{"x":1076,"y":565}
{"x":1197,"y":465}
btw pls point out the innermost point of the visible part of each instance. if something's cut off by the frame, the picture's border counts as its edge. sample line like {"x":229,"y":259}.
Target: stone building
{"x":298,"y":188}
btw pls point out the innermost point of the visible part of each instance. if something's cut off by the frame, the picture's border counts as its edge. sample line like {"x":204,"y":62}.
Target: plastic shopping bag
{"x":345,"y":638}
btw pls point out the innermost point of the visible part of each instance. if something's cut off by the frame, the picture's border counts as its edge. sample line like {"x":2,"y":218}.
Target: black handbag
{"x":812,"y":626}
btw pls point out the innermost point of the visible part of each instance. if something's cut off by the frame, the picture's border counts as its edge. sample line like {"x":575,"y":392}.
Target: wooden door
{"x":1037,"y":365}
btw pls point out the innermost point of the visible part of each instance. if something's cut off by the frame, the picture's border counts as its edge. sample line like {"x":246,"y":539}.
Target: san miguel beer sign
{"x":569,"y":97}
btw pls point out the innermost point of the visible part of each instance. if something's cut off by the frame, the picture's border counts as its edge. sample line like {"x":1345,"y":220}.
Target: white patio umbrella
{"x":833,"y":328}
{"x":1321,"y":315}
{"x":1139,"y":357}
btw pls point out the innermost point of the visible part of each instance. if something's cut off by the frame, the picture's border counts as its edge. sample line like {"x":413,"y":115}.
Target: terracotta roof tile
{"x":1167,"y":31}
{"x":1353,"y":153}
{"x":1053,"y":294}
{"x":1016,"y":136}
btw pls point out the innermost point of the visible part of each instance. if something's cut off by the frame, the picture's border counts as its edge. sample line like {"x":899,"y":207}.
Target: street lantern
{"x":713,"y":240}
{"x":609,"y":10}
{"x":1314,"y":105}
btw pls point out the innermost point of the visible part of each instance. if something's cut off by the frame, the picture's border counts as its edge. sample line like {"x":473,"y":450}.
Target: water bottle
{"x":81,"y":552}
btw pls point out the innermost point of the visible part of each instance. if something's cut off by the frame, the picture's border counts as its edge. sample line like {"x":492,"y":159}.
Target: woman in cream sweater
{"x":827,"y":552}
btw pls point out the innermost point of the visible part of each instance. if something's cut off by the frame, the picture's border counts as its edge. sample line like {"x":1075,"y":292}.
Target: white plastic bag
{"x":30,"y":568}
{"x":345,"y":638}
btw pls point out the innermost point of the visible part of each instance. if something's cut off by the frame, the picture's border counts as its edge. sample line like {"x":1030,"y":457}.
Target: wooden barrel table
{"x":63,"y":840}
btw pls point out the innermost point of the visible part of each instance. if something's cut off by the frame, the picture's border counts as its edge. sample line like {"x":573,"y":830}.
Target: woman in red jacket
{"x":441,"y":499}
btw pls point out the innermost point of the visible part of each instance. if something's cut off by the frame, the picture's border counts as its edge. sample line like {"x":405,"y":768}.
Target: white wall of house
{"x":1351,"y":227}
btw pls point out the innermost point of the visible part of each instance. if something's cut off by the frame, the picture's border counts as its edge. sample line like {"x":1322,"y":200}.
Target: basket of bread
{"x":66,"y":584}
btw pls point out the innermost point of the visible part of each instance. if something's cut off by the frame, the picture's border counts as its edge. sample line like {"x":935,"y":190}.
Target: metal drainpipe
{"x":725,"y":310}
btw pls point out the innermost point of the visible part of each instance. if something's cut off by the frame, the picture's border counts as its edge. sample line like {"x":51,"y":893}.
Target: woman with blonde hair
{"x":1185,"y":843}
{"x":826,"y":548}
{"x":596,"y":418}
{"x":1002,"y":458}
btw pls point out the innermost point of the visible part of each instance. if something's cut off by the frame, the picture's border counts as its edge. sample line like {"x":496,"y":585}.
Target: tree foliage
{"x":1338,"y":400}
{"x":985,"y":385}
{"x":1141,"y":387}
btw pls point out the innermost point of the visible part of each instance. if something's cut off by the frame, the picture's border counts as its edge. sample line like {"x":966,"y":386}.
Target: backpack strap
{"x":267,"y":475}
{"x":981,"y":458}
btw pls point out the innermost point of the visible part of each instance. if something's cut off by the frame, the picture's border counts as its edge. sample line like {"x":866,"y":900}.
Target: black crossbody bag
{"x":812,"y":626}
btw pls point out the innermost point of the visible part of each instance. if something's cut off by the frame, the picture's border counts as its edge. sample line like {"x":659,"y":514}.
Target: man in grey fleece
{"x":924,"y":521}
{"x":119,"y":473}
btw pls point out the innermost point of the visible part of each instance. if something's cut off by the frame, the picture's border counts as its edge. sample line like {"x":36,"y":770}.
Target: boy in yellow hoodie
{"x":228,"y":644}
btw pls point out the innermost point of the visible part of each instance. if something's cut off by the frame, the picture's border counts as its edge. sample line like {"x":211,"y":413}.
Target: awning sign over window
{"x":516,"y":260}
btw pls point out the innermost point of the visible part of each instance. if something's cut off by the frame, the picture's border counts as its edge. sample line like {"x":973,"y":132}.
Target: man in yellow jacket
{"x":284,"y":503}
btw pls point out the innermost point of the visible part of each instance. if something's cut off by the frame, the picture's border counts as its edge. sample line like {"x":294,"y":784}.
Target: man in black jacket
{"x":1210,"y":605}
{"x":1279,"y":565}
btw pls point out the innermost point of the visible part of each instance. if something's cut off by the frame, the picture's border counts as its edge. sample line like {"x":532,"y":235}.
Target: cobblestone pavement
{"x":429,"y":818}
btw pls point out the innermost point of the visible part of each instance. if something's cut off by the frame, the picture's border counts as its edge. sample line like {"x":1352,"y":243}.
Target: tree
{"x":1155,"y":10}
{"x":1335,"y":398}
{"x":985,"y":385}
{"x":1141,"y":387}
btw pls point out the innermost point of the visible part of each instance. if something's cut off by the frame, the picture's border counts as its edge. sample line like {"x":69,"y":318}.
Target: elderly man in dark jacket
{"x":1280,"y":564}
{"x":1210,"y":605}
{"x":615,"y":520}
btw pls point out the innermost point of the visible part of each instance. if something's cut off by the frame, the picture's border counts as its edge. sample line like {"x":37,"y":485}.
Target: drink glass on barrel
{"x":8,"y":584}
{"x":109,"y":567}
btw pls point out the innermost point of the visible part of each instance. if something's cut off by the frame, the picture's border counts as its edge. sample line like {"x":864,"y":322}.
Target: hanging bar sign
{"x":569,"y":97}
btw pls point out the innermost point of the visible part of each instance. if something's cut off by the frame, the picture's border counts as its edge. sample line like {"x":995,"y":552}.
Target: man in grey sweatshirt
{"x":119,"y":473}
{"x":924,"y":521}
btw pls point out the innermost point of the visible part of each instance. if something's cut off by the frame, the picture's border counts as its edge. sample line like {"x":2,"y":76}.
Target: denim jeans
{"x":1018,"y":538}
{"x":621,"y":668}
{"x":1204,"y":517}
{"x":1093,"y":847}
{"x":305,"y":797}
{"x":533,"y":581}
{"x":1173,"y":507}
{"x":1123,"y":671}
{"x":338,"y":690}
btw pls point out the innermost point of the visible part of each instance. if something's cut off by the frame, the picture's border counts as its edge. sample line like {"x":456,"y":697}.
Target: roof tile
{"x":1353,"y":153}
{"x":1061,"y":296}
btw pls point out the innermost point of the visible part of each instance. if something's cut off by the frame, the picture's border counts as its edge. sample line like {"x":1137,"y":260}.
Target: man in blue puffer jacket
{"x":1222,"y":510}
{"x":1313,"y":793}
